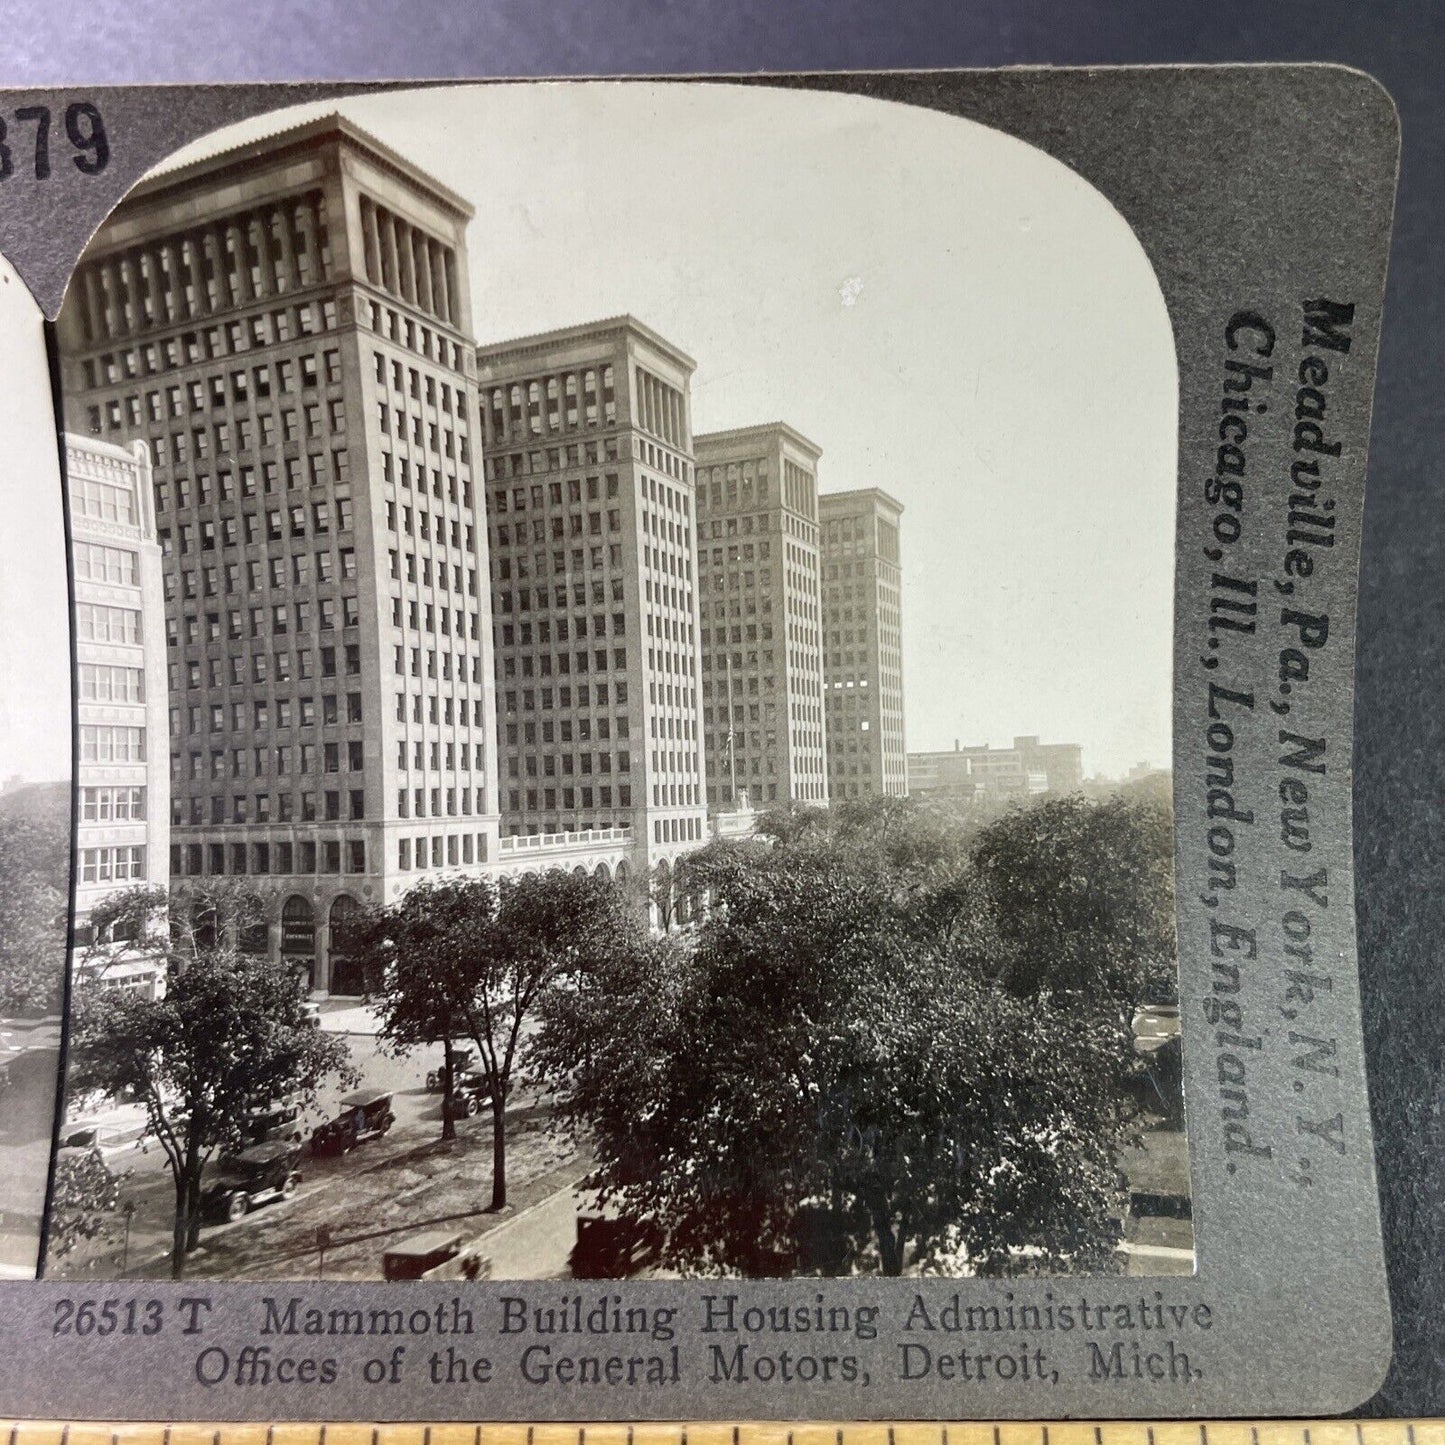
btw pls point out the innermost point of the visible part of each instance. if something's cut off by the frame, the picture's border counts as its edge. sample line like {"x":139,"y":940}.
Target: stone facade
{"x":122,"y":778}
{"x":591,"y":508}
{"x":862,"y":643}
{"x":762,"y":644}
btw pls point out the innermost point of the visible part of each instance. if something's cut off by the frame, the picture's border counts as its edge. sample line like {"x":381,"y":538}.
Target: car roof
{"x":363,"y":1097}
{"x":259,"y":1154}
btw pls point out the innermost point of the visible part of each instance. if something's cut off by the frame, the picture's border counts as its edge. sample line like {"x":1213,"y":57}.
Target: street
{"x":368,"y":1199}
{"x":30,"y":1053}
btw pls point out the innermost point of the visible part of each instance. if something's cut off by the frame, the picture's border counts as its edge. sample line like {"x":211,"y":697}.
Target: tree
{"x":415,"y":975}
{"x":228,"y":1033}
{"x":180,"y":924}
{"x":546,"y":930}
{"x":900,"y":1040}
{"x":35,"y":864}
{"x":466,"y":957}
{"x":83,"y":1201}
{"x":1083,"y":896}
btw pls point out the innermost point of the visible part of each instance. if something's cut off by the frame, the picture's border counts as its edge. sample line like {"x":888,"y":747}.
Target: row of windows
{"x":444,"y":802}
{"x":258,"y":573}
{"x":311,"y":469}
{"x":420,"y":387}
{"x":409,"y":660}
{"x":568,"y":764}
{"x":552,"y":403}
{"x":449,"y":850}
{"x":225,"y":263}
{"x":102,"y":683}
{"x":103,"y":501}
{"x":287,"y":758}
{"x":212,"y":343}
{"x":95,"y":562}
{"x":331,"y":855}
{"x":208,"y":533}
{"x":103,"y":743}
{"x":257,"y":808}
{"x":260,"y":713}
{"x":112,"y":805}
{"x":112,"y":865}
{"x":499,"y":465}
{"x":457,"y":756}
{"x":586,"y":798}
{"x":676,"y":830}
{"x":468,"y":713}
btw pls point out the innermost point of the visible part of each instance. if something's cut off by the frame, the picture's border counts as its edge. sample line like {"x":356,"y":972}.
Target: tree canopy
{"x":35,"y":864}
{"x":228,"y":1035}
{"x":896,"y":1042}
{"x":465,"y":957}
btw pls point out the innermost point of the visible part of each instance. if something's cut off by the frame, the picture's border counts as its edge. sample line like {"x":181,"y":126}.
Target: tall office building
{"x":287,"y":327}
{"x":762,"y":646}
{"x":862,"y":643}
{"x":589,"y":468}
{"x":123,"y":819}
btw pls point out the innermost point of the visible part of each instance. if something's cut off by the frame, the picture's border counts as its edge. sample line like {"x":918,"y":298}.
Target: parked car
{"x":463,"y":1057}
{"x":364,"y":1115}
{"x":105,"y":1141}
{"x":255,"y":1176}
{"x":311,"y":1013}
{"x":434,"y":1254}
{"x":611,"y":1248}
{"x":473,"y":1093}
{"x":470,"y":1092}
{"x":279,"y":1120}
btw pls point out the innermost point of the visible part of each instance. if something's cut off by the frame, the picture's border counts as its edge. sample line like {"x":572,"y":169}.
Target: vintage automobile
{"x":470,"y":1093}
{"x":278,"y":1120}
{"x":464,"y":1055}
{"x":106,"y":1140}
{"x":611,"y":1248}
{"x":434,"y":1254}
{"x":258,"y":1175}
{"x":364,"y":1115}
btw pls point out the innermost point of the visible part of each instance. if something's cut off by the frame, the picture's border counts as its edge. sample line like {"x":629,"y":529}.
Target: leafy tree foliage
{"x":466,"y":958}
{"x":875,"y":1055}
{"x":35,"y":864}
{"x":411,"y":960}
{"x":82,"y":1204}
{"x":228,"y":1034}
{"x":1084,"y":896}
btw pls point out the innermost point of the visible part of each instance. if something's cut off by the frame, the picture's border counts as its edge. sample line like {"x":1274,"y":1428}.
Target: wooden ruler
{"x":1133,"y":1432}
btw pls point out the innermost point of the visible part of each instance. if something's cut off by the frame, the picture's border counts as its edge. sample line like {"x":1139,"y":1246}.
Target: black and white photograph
{"x":623,"y":656}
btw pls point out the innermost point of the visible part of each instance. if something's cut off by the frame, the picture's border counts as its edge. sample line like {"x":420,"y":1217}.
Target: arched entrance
{"x":347,"y":976}
{"x":298,"y":938}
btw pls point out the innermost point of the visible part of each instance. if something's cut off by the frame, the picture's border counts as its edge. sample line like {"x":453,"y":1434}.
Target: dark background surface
{"x":1399,"y":759}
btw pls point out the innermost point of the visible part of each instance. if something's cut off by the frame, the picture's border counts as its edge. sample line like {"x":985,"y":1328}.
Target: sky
{"x":947,"y":312}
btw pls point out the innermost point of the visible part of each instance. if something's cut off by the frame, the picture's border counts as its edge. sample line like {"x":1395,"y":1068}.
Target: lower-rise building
{"x":122,"y":779}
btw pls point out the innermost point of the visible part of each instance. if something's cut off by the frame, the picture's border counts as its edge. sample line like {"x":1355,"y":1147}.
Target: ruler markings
{"x":1180,"y":1432}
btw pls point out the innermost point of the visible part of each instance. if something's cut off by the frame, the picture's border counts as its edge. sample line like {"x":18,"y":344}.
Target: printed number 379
{"x":84,"y":129}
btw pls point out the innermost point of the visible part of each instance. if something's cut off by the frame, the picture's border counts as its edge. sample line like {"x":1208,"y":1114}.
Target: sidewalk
{"x":342,"y":1016}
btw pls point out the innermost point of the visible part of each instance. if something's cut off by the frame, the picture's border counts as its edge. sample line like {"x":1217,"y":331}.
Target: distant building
{"x":1027,"y":768}
{"x":862,"y":643}
{"x":122,"y":781}
{"x":762,"y":646}
{"x":590,"y":477}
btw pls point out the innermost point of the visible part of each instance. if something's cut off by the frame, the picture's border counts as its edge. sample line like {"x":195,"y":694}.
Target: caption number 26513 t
{"x":84,"y":132}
